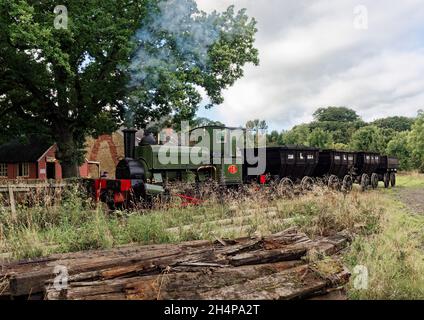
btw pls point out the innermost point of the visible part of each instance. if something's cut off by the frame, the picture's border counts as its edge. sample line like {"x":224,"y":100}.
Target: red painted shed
{"x":32,"y":158}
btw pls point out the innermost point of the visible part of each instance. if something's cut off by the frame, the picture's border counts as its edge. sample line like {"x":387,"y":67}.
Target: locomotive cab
{"x":223,"y":147}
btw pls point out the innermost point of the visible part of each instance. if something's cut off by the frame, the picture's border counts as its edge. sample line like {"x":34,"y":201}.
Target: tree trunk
{"x":69,"y":170}
{"x":67,"y":152}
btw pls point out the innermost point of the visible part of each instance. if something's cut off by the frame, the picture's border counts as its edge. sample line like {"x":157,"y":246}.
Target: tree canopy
{"x":201,"y":122}
{"x":396,"y":123}
{"x":398,"y":147}
{"x":66,"y":80}
{"x":339,"y":114}
{"x":297,"y":136}
{"x":181,"y":49}
{"x":368,"y":138}
{"x":342,"y":122}
{"x":320,"y":139}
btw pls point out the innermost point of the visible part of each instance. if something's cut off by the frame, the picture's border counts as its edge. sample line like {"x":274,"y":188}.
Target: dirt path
{"x":413,"y":198}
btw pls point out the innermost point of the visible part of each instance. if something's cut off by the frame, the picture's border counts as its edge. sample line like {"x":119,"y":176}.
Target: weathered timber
{"x":299,"y":282}
{"x":272,"y":267}
{"x":178,"y":283}
{"x":29,"y":276}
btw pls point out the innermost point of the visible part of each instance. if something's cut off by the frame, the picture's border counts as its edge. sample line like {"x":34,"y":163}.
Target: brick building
{"x":35,"y":159}
{"x":107,"y":150}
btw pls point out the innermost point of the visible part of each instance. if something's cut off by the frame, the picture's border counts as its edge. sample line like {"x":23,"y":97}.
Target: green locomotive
{"x":208,"y":153}
{"x":202,"y":159}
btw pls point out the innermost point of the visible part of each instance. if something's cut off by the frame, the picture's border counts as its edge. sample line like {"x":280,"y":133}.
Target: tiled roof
{"x":23,"y":150}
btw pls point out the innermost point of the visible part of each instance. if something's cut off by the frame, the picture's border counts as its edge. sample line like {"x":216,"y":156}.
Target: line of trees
{"x":342,"y":128}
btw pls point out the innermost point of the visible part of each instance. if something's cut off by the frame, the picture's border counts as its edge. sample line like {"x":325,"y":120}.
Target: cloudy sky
{"x":368,"y":55}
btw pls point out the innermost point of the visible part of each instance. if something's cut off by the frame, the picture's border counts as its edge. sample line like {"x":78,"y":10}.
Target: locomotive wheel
{"x":307,"y":183}
{"x":347,"y":183}
{"x":374,"y":181}
{"x":393,"y":179}
{"x":285,"y":187}
{"x":333,"y":182}
{"x":365,"y":181}
{"x":107,"y":198}
{"x":386,"y":180}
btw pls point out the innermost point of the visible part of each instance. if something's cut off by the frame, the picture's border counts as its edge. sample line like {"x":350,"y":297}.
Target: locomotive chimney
{"x":129,"y":142}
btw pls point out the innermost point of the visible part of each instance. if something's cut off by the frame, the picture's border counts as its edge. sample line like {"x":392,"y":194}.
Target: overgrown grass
{"x":74,"y":224}
{"x":394,"y":257}
{"x":410,"y":180}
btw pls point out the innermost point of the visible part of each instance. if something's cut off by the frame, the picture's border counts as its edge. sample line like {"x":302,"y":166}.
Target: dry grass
{"x":73,"y":223}
{"x":394,"y":257}
{"x":412,"y":179}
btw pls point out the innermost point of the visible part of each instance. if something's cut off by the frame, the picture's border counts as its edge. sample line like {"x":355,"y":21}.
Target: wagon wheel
{"x":333,"y":182}
{"x":307,"y":183}
{"x":374,"y":181}
{"x":393,"y":179}
{"x":347,"y":183}
{"x":285,"y":187}
{"x":365,"y":181}
{"x":386,"y":180}
{"x":324,"y":181}
{"x":320,"y":182}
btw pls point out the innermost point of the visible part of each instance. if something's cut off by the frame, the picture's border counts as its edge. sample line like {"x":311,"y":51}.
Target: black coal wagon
{"x":366,"y":167}
{"x":336,"y":168}
{"x":285,"y":164}
{"x":387,"y":169}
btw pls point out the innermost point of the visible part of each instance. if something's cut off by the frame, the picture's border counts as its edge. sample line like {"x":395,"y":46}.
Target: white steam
{"x":174,"y":35}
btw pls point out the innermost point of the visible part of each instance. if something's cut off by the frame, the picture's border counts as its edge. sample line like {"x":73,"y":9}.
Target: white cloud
{"x":312,"y":56}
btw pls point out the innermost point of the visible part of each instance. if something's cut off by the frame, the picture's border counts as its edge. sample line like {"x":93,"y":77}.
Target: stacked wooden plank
{"x":286,"y":265}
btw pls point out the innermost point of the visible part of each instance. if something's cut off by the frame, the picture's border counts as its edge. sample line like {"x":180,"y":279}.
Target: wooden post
{"x":12,"y":203}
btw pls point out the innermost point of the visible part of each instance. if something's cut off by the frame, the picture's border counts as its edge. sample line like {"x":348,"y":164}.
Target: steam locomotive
{"x":147,"y":169}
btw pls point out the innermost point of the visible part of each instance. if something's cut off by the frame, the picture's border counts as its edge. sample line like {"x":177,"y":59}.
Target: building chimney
{"x":129,"y":142}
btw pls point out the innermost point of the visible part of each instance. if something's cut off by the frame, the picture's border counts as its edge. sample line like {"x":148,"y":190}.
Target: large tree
{"x":399,"y":148}
{"x":320,"y":139}
{"x":369,"y":138}
{"x":114,"y":56}
{"x":298,"y":135}
{"x":65,"y":80}
{"x":416,"y":141}
{"x":274,"y":138}
{"x":396,"y":123}
{"x":341,"y":114}
{"x":342,"y":122}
